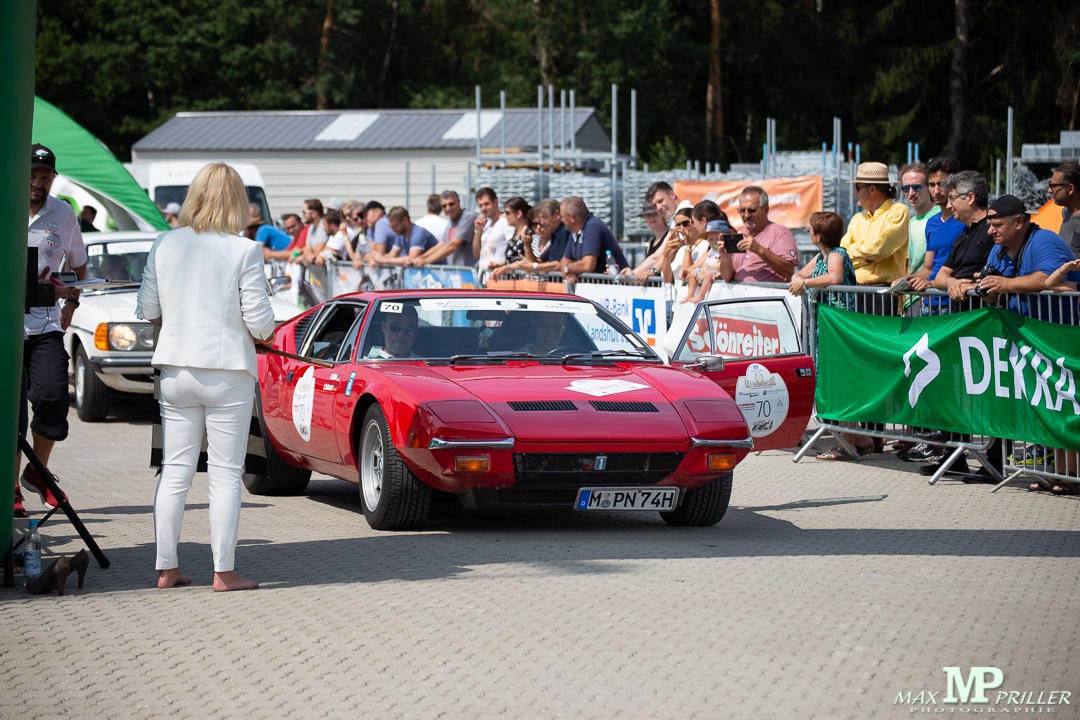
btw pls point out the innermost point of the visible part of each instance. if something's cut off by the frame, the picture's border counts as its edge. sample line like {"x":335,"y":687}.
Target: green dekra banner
{"x":985,"y":372}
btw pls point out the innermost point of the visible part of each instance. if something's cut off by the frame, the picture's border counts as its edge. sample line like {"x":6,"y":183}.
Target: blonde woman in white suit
{"x":204,"y":285}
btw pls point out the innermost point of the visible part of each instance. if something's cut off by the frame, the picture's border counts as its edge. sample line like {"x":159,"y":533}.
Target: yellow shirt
{"x":878,"y":244}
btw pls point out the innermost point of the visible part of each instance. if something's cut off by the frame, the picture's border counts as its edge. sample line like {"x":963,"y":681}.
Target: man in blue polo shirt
{"x":1024,"y":256}
{"x":590,"y":241}
{"x":411,"y":241}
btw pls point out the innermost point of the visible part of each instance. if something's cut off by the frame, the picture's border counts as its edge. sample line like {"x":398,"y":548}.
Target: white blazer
{"x":211,"y":295}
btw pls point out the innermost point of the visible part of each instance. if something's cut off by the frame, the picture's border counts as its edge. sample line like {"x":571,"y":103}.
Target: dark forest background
{"x":707,"y":72}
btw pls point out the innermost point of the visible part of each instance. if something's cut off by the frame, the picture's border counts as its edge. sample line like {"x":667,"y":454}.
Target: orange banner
{"x":553,"y":286}
{"x":791,"y":200}
{"x":1048,"y":217}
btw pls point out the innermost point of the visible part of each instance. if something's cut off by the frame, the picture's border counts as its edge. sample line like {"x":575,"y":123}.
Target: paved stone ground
{"x":827,"y":590}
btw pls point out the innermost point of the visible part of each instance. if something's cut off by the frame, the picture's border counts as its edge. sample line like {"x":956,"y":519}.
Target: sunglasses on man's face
{"x":911,"y":188}
{"x":407,"y":329}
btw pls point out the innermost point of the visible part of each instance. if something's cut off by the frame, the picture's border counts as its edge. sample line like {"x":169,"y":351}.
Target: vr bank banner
{"x":986,"y":372}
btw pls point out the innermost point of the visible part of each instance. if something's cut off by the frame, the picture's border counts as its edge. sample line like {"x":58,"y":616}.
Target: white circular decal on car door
{"x":302,"y":402}
{"x":763,"y":399}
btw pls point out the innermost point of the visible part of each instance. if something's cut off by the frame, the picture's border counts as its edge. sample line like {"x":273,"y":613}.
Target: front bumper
{"x":551,"y":474}
{"x":125,"y":373}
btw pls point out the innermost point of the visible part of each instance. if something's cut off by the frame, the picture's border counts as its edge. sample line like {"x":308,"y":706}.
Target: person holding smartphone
{"x":768,"y":251}
{"x":707,"y":268}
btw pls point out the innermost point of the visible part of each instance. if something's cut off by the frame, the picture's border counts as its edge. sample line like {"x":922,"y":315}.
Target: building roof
{"x":369,"y":130}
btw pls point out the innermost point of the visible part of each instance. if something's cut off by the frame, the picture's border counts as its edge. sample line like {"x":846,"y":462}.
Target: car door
{"x":764,"y":368}
{"x":316,"y":391}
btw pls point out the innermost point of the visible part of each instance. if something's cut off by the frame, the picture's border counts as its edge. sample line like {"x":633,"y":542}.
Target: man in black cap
{"x":1023,"y":257}
{"x":53,"y":229}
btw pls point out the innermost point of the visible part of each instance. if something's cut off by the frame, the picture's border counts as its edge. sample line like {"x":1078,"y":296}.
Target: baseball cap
{"x":717,"y":226}
{"x":41,"y":156}
{"x":172,"y":208}
{"x":647,"y":209}
{"x":1008,"y":205}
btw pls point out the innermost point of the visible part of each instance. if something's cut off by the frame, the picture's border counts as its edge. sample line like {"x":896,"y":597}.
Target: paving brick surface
{"x":829,"y":589}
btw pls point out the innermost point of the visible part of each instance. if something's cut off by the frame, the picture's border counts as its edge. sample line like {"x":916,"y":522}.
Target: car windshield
{"x":492,"y":328}
{"x":117,"y":259}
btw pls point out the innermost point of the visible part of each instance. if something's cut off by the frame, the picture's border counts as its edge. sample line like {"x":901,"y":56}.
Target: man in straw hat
{"x":877,"y":238}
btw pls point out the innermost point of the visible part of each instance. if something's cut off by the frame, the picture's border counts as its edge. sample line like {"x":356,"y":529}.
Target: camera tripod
{"x":62,"y":504}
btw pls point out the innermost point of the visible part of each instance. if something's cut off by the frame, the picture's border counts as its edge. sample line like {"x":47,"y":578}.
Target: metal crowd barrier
{"x":1019,"y":457}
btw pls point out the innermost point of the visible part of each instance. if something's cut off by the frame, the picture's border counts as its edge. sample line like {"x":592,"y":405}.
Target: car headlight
{"x":124,"y":337}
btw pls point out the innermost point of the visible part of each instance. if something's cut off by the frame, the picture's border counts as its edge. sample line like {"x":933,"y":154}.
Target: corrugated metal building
{"x":394,"y":156}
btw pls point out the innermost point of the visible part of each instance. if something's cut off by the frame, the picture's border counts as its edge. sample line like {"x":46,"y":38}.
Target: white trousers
{"x":194,"y":400}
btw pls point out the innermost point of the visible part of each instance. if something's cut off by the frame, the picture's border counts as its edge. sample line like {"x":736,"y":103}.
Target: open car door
{"x":763,"y":366}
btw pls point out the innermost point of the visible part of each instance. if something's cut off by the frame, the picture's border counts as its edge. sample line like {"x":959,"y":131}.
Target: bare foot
{"x":172,"y":578}
{"x":226,"y":581}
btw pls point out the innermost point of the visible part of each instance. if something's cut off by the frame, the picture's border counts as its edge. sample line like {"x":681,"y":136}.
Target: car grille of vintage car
{"x":554,"y":478}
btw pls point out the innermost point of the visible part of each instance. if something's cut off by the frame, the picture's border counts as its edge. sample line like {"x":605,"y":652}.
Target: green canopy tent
{"x":84,"y":161}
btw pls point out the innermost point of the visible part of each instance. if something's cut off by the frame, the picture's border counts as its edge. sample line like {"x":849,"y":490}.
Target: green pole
{"x":17,"y":30}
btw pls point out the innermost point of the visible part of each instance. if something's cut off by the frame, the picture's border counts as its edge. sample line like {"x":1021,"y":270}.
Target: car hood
{"x":546,"y":403}
{"x":106,"y":307}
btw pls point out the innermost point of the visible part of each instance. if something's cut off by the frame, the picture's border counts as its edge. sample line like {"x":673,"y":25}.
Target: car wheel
{"x":91,"y":395}
{"x":281,"y":478}
{"x":702,"y":506}
{"x":392,"y":497}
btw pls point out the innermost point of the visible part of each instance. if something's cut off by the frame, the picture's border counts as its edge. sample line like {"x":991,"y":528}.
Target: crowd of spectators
{"x":940,"y":231}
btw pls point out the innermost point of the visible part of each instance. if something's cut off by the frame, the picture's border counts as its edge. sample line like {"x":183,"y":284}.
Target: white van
{"x":167,"y":181}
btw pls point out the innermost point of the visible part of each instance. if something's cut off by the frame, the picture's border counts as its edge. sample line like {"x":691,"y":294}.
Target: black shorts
{"x":45,"y":366}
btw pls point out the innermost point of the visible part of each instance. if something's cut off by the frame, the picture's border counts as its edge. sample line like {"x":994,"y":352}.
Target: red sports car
{"x":513,"y":399}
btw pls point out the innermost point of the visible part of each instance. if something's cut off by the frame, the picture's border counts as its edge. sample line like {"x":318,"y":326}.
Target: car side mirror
{"x":708,"y":363}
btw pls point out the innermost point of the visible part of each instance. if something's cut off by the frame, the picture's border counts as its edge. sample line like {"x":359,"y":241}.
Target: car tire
{"x":91,"y":395}
{"x":392,"y":497}
{"x":280,"y":479}
{"x":702,"y":506}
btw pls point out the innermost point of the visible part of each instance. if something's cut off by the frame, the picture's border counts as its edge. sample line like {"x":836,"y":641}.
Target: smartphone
{"x":731,"y":242}
{"x":65,"y":277}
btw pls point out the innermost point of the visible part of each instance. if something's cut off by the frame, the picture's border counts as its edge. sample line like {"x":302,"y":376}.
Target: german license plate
{"x":653,"y":498}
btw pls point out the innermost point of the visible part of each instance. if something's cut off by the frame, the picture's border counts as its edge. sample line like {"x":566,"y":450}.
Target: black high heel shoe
{"x":51,"y":577}
{"x":79,"y":563}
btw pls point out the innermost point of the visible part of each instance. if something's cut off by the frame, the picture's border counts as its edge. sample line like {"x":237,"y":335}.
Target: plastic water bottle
{"x":31,"y":551}
{"x":612,"y":268}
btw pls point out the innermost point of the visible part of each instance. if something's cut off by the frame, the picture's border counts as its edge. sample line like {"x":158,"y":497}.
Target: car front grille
{"x":574,"y":470}
{"x":535,"y":496}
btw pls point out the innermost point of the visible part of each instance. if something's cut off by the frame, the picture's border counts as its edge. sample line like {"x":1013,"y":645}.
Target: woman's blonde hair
{"x":217,"y":201}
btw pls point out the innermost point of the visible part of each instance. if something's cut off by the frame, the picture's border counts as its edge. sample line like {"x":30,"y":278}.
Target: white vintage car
{"x":109,"y":349}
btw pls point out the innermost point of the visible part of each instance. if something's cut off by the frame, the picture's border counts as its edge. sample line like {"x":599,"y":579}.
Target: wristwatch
{"x":566,"y":269}
{"x":534,"y":266}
